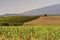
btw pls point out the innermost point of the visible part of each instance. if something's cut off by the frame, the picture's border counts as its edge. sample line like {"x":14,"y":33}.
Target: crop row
{"x":32,"y":32}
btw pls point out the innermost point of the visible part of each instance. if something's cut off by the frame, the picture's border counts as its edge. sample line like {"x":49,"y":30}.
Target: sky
{"x":19,"y":6}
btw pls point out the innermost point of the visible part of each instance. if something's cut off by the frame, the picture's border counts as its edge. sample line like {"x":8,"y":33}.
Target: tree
{"x":45,"y":14}
{"x":4,"y":24}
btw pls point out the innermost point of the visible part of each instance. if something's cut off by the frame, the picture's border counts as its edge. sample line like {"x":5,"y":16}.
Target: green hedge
{"x":11,"y":23}
{"x":16,"y":20}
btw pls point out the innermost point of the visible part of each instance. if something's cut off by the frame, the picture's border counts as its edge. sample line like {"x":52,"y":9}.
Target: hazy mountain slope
{"x":54,"y":10}
{"x":50,"y":10}
{"x":5,"y":15}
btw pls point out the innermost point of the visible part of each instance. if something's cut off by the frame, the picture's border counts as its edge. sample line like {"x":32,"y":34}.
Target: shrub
{"x":16,"y":20}
{"x":11,"y":23}
{"x":5,"y":24}
{"x":18,"y":23}
{"x":45,"y":14}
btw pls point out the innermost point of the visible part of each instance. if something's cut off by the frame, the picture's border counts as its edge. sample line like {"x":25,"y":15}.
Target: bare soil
{"x":45,"y":20}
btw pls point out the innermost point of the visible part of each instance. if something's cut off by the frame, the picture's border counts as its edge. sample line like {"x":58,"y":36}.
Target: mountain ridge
{"x":49,"y":10}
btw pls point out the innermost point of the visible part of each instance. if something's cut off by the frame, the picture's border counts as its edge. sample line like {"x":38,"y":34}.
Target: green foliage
{"x":4,"y":24}
{"x":32,"y":32}
{"x":16,"y":20}
{"x":11,"y":23}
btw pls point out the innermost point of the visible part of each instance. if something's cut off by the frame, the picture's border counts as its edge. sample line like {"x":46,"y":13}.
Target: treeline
{"x":16,"y":20}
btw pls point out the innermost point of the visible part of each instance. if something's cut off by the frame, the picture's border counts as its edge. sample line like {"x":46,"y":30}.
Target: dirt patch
{"x":45,"y":20}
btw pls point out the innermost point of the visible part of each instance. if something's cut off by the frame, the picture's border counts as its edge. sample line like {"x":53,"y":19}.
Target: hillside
{"x":50,"y":10}
{"x":53,"y":10}
{"x":45,"y":20}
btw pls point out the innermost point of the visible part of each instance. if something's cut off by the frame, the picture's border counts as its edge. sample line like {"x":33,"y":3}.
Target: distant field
{"x":30,"y":32}
{"x":46,"y":20}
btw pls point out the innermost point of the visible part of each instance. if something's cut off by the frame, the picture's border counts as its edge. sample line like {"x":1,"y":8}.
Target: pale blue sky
{"x":18,"y":6}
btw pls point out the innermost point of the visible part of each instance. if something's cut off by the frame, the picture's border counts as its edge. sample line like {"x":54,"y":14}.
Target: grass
{"x":30,"y":32}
